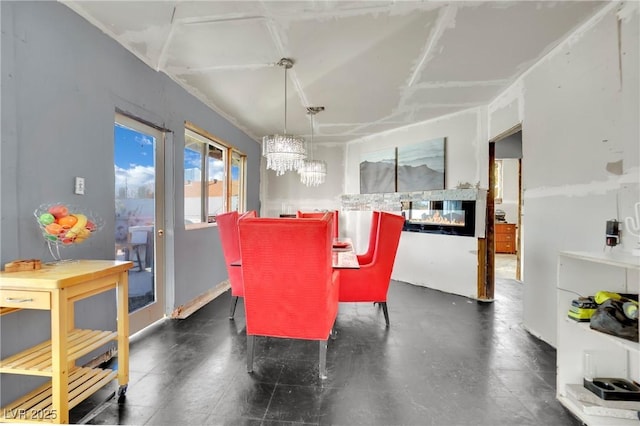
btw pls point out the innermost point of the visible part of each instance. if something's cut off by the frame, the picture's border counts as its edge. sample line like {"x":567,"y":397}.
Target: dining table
{"x":343,"y":254}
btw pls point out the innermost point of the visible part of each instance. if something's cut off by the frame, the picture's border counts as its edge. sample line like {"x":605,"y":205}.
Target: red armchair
{"x":290,"y":287}
{"x":228,"y":231}
{"x":336,"y":227}
{"x":370,"y":283}
{"x":367,"y":256}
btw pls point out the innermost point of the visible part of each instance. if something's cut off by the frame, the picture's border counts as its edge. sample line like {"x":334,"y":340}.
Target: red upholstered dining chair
{"x":290,"y":287}
{"x":336,"y":227}
{"x":370,"y":282}
{"x":228,"y":231}
{"x":367,"y":256}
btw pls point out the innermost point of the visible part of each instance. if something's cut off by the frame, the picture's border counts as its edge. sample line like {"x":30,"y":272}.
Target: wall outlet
{"x":79,"y":186}
{"x":613,"y":233}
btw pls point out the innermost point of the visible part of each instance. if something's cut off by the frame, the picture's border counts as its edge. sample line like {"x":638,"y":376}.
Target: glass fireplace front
{"x":449,"y":217}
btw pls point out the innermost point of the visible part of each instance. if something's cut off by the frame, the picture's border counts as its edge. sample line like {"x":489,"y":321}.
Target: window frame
{"x":229,"y":153}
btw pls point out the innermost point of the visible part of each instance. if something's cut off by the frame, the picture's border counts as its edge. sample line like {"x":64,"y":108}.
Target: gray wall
{"x":62,"y":81}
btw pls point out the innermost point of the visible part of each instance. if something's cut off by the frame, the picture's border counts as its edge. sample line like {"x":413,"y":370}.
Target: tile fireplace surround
{"x":392,"y":201}
{"x":466,"y":202}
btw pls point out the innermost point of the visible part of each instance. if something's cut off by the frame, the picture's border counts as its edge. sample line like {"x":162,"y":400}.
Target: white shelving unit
{"x":584,"y":274}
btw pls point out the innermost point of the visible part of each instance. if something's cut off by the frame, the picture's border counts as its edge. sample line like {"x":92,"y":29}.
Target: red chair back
{"x":316,"y":215}
{"x":228,"y":231}
{"x":370,"y":283}
{"x":291,"y":290}
{"x":367,"y":256}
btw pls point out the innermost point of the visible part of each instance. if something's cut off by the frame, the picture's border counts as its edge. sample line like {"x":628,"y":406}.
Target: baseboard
{"x":101,"y":359}
{"x":183,"y":311}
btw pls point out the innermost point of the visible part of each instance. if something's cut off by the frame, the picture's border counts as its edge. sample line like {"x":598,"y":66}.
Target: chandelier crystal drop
{"x":313,"y":172}
{"x":284,"y":152}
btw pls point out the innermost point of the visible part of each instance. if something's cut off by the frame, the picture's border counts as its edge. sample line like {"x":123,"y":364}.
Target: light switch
{"x":79,"y":186}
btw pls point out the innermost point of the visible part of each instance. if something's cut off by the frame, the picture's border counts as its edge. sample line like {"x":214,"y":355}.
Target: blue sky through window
{"x":133,"y":160}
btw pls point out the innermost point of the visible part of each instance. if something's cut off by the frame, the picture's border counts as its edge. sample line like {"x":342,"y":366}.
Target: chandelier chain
{"x":285,"y":99}
{"x":284,"y":152}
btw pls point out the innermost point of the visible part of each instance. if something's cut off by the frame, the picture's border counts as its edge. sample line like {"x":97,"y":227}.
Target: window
{"x":237,"y":181}
{"x":214,"y":177}
{"x":497,"y":179}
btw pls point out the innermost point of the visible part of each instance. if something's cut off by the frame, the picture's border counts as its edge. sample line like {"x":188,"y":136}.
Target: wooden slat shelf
{"x":37,"y":405}
{"x":4,"y":310}
{"x":36,"y":361}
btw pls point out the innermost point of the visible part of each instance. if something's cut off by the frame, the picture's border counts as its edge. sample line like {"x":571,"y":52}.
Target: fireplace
{"x":449,"y":217}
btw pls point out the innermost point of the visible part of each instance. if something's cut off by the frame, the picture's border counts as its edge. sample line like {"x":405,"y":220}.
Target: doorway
{"x":507,"y":216}
{"x":504,"y":208}
{"x":139,"y":216}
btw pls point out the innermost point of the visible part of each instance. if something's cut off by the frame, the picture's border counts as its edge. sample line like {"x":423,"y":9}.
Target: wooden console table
{"x":505,"y":238}
{"x":55,"y":288}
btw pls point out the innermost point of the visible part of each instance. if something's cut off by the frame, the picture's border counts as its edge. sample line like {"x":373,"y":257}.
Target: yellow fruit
{"x":79,"y":225}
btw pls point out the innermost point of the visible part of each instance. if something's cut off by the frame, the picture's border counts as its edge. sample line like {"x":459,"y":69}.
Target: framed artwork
{"x":421,"y":166}
{"x":378,"y":171}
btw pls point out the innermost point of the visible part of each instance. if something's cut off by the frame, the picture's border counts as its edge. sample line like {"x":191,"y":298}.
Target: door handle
{"x":160,"y":232}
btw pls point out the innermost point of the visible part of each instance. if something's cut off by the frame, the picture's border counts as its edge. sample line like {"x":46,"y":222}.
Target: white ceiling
{"x":374,"y":65}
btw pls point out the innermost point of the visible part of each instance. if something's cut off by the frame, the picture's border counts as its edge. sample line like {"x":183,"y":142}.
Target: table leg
{"x":123,"y":332}
{"x":70,"y":327}
{"x":59,"y":362}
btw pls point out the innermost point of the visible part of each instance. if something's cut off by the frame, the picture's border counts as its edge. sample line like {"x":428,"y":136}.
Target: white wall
{"x":579,"y":113}
{"x":286,"y":194}
{"x":466,"y":150}
{"x":444,"y":262}
{"x":509,"y":190}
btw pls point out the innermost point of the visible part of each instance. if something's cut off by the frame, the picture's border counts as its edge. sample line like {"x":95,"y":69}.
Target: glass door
{"x":139,"y":165}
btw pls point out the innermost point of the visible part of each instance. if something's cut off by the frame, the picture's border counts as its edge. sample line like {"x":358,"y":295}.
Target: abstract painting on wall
{"x":378,"y":171}
{"x":421,"y":166}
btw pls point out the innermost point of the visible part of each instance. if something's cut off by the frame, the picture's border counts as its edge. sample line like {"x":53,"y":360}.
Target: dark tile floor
{"x":445,"y":360}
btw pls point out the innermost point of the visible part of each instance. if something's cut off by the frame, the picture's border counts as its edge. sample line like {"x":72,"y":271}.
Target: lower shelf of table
{"x":37,"y":406}
{"x":37,"y":359}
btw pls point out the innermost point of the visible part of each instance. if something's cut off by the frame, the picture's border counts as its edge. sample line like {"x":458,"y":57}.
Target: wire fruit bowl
{"x":65,"y":224}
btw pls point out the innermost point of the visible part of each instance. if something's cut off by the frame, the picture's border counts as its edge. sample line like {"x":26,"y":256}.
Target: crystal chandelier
{"x":283,"y":152}
{"x":313,"y":172}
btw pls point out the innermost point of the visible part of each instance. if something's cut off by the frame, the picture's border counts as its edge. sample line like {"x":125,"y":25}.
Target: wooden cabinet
{"x":56,"y":288}
{"x":583,"y":273}
{"x":505,"y":234}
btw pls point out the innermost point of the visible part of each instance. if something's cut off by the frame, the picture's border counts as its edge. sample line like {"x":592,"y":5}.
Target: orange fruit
{"x":53,"y":228}
{"x":67,"y":221}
